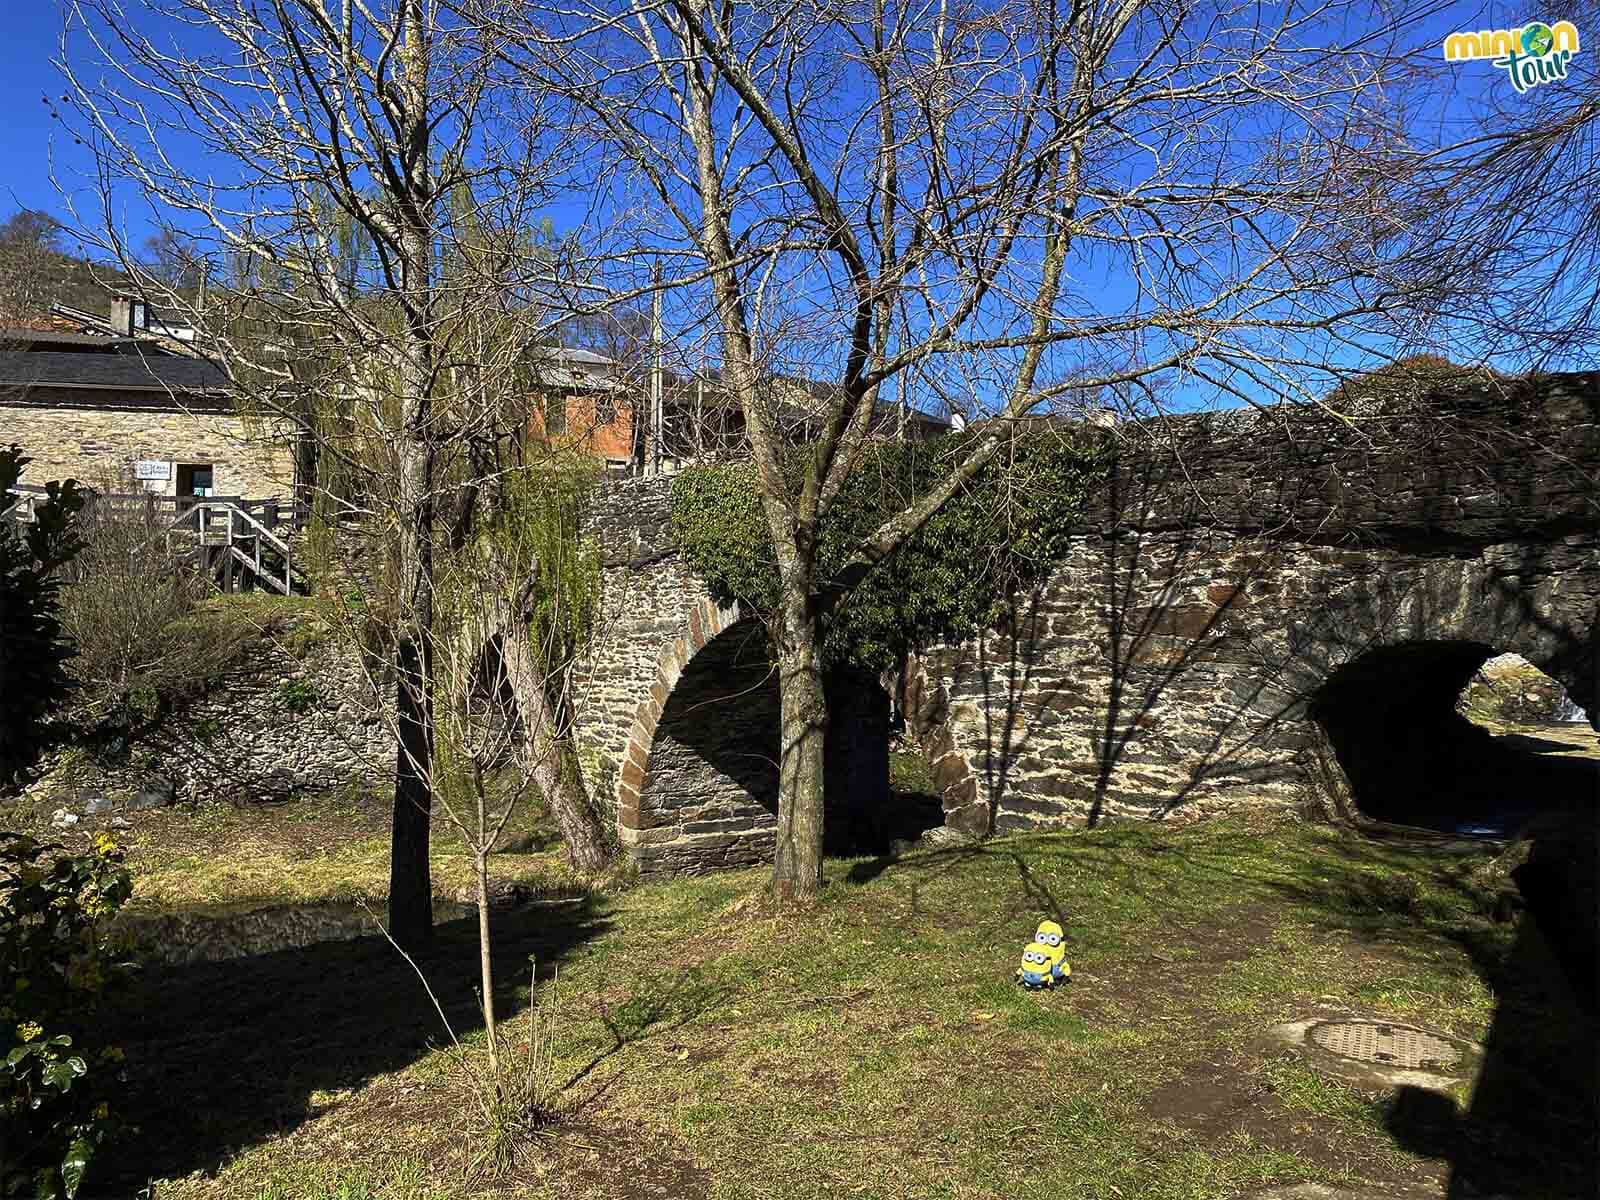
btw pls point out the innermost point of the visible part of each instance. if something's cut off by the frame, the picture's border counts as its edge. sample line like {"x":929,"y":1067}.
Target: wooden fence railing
{"x":272,"y":513}
{"x":232,"y":539}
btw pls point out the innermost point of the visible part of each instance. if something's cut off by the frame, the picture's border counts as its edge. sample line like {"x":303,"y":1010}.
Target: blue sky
{"x":33,"y":139}
{"x":32,"y":28}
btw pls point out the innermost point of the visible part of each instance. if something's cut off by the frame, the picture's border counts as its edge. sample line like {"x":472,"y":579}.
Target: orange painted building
{"x":588,"y":404}
{"x":583,"y":405}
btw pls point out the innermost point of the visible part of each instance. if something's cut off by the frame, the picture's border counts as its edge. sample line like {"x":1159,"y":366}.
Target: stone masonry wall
{"x":287,"y":723}
{"x":81,"y":439}
{"x":1148,"y":678}
{"x":649,"y":596}
{"x":709,"y":796}
{"x":1239,"y":562}
{"x":294,"y":715}
{"x":1233,"y":564}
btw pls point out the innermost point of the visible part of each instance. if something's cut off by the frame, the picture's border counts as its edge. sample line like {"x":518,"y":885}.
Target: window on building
{"x":196,"y":479}
{"x":555,"y":413}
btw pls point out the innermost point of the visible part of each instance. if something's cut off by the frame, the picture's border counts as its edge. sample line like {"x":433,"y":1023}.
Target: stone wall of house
{"x":81,"y":436}
{"x":1258,"y":606}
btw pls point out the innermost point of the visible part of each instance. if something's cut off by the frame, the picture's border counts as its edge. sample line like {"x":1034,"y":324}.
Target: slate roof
{"x":13,"y":339}
{"x":113,"y":372}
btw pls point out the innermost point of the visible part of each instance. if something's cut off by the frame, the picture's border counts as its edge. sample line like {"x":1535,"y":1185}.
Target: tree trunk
{"x":410,"y":884}
{"x":560,"y":778}
{"x":410,"y":881}
{"x":797,"y":866}
{"x":558,"y":772}
{"x":485,"y":963}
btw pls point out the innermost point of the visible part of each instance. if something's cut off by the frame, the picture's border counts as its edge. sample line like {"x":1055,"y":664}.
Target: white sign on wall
{"x":152,"y":469}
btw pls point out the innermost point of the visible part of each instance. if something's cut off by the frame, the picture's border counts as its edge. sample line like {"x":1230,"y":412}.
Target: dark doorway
{"x":196,"y":479}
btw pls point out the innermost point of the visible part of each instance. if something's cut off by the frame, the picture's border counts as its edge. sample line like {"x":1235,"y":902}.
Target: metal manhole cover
{"x":1392,"y":1045}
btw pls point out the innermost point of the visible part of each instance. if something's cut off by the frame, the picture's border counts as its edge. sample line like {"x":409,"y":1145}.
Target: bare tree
{"x":1008,"y":201}
{"x":1514,"y":231}
{"x":357,"y":178}
{"x":174,"y":261}
{"x":30,"y":246}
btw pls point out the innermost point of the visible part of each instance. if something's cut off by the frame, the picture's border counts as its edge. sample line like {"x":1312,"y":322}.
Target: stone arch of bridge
{"x":698,"y":789}
{"x":1394,"y":747}
{"x":1385,"y":701}
{"x":1406,"y":753}
{"x":1147,"y":680}
{"x":707,"y":620}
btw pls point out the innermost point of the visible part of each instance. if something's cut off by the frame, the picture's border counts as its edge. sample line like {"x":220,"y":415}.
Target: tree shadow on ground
{"x":659,"y":1004}
{"x":223,"y":1055}
{"x":1529,"y":1128}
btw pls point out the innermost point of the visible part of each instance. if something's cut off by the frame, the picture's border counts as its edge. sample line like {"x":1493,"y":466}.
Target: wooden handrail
{"x":277,"y":511}
{"x":203,"y":515}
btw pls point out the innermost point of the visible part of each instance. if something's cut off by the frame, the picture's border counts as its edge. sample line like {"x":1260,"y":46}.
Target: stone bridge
{"x":1262,"y":607}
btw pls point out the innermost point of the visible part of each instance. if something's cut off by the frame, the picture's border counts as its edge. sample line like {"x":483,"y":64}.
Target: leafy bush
{"x":33,"y":645}
{"x":56,"y":959}
{"x":298,"y":696}
{"x":1006,"y":530}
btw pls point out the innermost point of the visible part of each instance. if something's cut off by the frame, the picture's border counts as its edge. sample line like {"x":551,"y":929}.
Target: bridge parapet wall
{"x":1238,"y":561}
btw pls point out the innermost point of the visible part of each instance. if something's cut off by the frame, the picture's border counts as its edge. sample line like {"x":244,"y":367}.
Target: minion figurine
{"x":1053,"y":937}
{"x":1037,"y":966}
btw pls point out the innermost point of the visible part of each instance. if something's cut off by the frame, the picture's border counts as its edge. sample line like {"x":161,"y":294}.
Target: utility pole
{"x":700,"y":410}
{"x":657,"y":421}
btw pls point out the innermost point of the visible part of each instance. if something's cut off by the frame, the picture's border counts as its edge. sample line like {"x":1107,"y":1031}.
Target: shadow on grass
{"x":1530,"y":1126}
{"x":659,"y":1004}
{"x":224,"y":1055}
{"x":1529,"y":1129}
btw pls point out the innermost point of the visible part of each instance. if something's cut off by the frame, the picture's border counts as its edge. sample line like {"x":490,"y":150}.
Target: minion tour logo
{"x":1534,"y":54}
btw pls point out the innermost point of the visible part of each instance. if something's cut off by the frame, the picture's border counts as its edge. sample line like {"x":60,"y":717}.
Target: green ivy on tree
{"x":1004,"y":532}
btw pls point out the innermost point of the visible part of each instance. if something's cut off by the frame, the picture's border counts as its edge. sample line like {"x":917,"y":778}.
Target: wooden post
{"x":232,"y":563}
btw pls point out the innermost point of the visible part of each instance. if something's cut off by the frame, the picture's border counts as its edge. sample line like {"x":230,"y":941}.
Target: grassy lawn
{"x":709,"y":1046}
{"x":219,"y":856}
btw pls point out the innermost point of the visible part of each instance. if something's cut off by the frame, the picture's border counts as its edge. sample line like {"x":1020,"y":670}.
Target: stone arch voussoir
{"x":927,"y":712}
{"x":707,"y":619}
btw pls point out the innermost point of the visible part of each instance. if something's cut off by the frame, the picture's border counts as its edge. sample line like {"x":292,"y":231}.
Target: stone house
{"x":120,"y":404}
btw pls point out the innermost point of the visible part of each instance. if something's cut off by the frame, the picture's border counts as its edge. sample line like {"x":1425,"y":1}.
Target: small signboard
{"x":152,"y":469}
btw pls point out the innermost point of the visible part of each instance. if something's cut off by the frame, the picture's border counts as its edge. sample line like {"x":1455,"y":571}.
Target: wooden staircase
{"x":234,"y":548}
{"x":237,"y":543}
